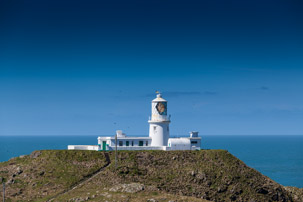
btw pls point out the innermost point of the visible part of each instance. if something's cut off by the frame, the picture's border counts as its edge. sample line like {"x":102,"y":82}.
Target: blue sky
{"x":92,"y":67}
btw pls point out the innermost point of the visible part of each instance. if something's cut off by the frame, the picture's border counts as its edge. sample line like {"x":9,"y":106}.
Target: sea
{"x":278,"y":157}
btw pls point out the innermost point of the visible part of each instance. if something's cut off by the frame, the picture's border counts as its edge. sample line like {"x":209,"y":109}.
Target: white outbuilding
{"x":179,"y":144}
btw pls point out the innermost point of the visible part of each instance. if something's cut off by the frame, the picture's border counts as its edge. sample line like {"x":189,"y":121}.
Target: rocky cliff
{"x":205,"y":175}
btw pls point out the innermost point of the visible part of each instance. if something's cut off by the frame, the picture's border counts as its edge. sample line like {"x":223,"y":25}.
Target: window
{"x":120,"y":143}
{"x":167,"y":128}
{"x":194,"y":142}
{"x":132,"y":143}
{"x":127,"y":143}
{"x":140,"y":143}
{"x":146,"y":143}
{"x":155,"y":127}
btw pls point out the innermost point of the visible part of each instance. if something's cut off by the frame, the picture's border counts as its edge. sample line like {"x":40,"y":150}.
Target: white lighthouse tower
{"x":159,"y":122}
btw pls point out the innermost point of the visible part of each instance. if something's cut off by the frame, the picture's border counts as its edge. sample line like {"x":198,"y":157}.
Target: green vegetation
{"x":214,"y":175}
{"x":46,"y":173}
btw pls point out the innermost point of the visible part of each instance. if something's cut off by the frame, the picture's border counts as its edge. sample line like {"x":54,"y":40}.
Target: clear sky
{"x":92,"y":67}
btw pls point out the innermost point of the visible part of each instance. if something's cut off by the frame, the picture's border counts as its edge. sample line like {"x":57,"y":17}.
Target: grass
{"x":213,"y":174}
{"x":50,"y":173}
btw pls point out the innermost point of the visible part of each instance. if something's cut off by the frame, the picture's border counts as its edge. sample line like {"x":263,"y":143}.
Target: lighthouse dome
{"x":159,"y":98}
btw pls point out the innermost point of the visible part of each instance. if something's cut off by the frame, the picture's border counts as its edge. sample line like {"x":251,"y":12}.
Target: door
{"x":104,"y":145}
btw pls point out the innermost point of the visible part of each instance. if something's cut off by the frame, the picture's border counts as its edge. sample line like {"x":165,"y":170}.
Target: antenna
{"x":3,"y":191}
{"x":116,"y":151}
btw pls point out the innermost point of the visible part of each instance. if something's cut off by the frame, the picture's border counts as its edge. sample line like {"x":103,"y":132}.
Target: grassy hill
{"x":205,"y":175}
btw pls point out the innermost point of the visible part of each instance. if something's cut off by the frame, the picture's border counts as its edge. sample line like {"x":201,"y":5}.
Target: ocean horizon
{"x":279,"y":157}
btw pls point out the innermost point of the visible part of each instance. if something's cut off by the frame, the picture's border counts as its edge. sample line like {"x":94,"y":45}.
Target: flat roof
{"x":133,"y":138}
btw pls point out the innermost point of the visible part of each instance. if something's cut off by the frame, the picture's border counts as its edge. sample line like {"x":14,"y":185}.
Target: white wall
{"x":137,"y":148}
{"x":83,"y":147}
{"x":159,"y":132}
{"x":136,"y":142}
{"x":193,"y":140}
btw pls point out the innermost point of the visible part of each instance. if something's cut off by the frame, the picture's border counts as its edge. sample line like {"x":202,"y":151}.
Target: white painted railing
{"x":159,"y":118}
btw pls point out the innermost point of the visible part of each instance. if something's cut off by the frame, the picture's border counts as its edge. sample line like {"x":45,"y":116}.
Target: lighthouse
{"x":159,"y":122}
{"x":158,"y":135}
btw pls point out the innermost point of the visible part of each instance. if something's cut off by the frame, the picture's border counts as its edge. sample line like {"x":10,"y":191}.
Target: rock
{"x":22,"y":156}
{"x":35,"y":154}
{"x":129,"y":188}
{"x":221,"y":189}
{"x":262,"y":191}
{"x":151,"y":188}
{"x":19,"y":171}
{"x":11,"y":181}
{"x":297,"y":193}
{"x":275,"y":197}
{"x":233,"y":197}
{"x":11,"y":159}
{"x":205,"y":195}
{"x":201,"y":176}
{"x":192,"y":173}
{"x":152,"y":200}
{"x":79,"y":199}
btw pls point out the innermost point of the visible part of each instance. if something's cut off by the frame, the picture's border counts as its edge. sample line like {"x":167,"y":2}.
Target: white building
{"x":158,"y":139}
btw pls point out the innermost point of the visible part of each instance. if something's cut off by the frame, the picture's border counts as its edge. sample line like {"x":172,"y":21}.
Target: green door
{"x":104,"y":145}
